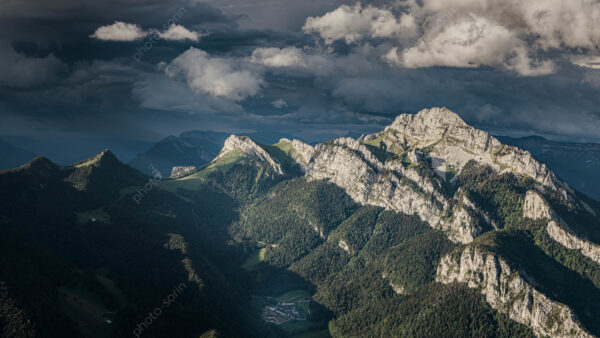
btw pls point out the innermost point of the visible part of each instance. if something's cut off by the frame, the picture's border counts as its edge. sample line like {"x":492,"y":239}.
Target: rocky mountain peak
{"x":435,"y":124}
{"x":41,"y":166}
{"x":250,"y":148}
{"x":431,"y":118}
{"x":406,"y":166}
{"x":106,"y":154}
{"x":105,"y":157}
{"x":451,"y":143}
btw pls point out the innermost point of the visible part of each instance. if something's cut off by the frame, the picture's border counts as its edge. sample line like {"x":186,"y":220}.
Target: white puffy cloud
{"x":218,"y":77}
{"x":473,"y":42}
{"x":279,"y":57}
{"x":279,"y":104}
{"x":553,"y":23}
{"x":519,"y":36}
{"x":353,"y":23}
{"x":294,"y":60}
{"x":119,"y":31}
{"x":180,"y":33}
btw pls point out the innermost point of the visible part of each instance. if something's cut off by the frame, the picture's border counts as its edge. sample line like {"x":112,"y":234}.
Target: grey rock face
{"x":507,"y":291}
{"x":437,"y":138}
{"x":301,"y":152}
{"x":434,"y":140}
{"x":536,"y":207}
{"x":455,"y":142}
{"x":180,"y":171}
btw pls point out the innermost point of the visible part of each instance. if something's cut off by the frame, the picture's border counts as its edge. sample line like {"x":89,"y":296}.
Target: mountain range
{"x":576,"y":163}
{"x":429,"y":228}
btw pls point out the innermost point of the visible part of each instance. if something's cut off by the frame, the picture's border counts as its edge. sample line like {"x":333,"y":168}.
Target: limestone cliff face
{"x":536,"y":207}
{"x":300,"y":152}
{"x":434,"y":138}
{"x":180,"y":171}
{"x":405,"y":166}
{"x":351,"y":165}
{"x":506,"y":290}
{"x":453,"y":143}
{"x":344,"y":167}
{"x":569,"y":240}
{"x":249,"y":148}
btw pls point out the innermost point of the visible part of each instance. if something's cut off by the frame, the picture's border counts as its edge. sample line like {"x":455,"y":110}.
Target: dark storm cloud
{"x":309,"y":68}
{"x":63,"y":27}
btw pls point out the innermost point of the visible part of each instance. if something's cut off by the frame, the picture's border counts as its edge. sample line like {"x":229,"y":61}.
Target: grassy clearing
{"x":251,"y":263}
{"x":282,"y":152}
{"x":111,"y":287}
{"x":262,"y":253}
{"x":285,"y":146}
{"x":92,"y":161}
{"x":303,"y":328}
{"x":314,"y":334}
{"x":85,"y":309}
{"x":225,"y":163}
{"x":293,"y":296}
{"x":196,"y":180}
{"x":94,"y":215}
{"x":376,"y":141}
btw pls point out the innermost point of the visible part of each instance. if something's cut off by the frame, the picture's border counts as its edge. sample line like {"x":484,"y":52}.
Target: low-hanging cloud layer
{"x":511,"y":67}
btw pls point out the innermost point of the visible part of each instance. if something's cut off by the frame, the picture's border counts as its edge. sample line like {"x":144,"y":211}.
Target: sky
{"x":146,"y":69}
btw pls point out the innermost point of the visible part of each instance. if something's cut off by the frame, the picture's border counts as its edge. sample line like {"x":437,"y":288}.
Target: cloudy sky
{"x":144,"y":69}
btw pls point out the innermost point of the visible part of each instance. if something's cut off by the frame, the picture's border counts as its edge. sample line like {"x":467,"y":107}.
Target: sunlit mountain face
{"x":229,"y":168}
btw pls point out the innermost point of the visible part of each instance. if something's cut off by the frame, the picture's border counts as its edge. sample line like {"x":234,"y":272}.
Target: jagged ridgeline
{"x":435,"y":202}
{"x":428,"y":228}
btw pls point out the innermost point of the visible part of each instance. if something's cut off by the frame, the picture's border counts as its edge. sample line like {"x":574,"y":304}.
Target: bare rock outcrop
{"x":507,"y":291}
{"x":454,"y":142}
{"x":569,"y":240}
{"x":301,"y":152}
{"x":179,"y":171}
{"x":436,"y":141}
{"x":537,"y":208}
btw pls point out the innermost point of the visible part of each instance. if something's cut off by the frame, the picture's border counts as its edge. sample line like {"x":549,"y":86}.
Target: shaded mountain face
{"x":429,"y":227}
{"x":194,"y":148}
{"x":576,"y":163}
{"x":78,"y":248}
{"x":12,"y":156}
